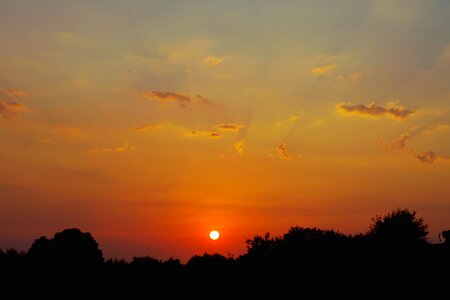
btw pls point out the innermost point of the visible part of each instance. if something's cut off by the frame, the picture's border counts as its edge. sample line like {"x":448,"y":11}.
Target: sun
{"x":214,"y":235}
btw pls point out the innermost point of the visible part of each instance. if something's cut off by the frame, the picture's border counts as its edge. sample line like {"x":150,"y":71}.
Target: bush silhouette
{"x":68,"y":248}
{"x":401,"y":227}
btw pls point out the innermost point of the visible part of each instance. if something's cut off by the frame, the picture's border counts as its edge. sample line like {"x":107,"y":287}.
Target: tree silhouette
{"x":70,"y":247}
{"x":446,"y":236}
{"x":401,"y":227}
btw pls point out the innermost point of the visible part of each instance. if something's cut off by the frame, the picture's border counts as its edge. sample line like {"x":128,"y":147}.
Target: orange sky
{"x":150,"y":123}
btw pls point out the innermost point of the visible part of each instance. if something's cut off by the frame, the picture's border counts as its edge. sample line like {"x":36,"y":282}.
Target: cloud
{"x":427,"y":157}
{"x":63,"y":133}
{"x":181,"y":99}
{"x":199,"y":133}
{"x":213,"y":61}
{"x":119,"y":149}
{"x":400,"y":143}
{"x":323,"y":69}
{"x":14,"y":93}
{"x":191,"y":133}
{"x":229,"y":127}
{"x":202,"y":100}
{"x":435,"y":128}
{"x":239,"y":146}
{"x":373,"y":109}
{"x":148,"y":127}
{"x":281,"y":149}
{"x":10,"y":111}
{"x":289,"y":121}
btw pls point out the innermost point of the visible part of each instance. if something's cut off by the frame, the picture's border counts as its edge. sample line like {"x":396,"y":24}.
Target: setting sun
{"x":214,"y":235}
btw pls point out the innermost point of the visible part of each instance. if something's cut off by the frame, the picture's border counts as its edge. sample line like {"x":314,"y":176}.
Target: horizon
{"x":151,"y":123}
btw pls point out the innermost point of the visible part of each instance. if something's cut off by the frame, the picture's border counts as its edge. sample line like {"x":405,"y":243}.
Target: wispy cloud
{"x":229,"y":127}
{"x":281,"y":149}
{"x":292,"y":119}
{"x":427,"y":157}
{"x":199,"y":133}
{"x":14,"y":93}
{"x":239,"y":146}
{"x":213,"y":61}
{"x":148,"y":127}
{"x":323,"y":69}
{"x":10,"y":111}
{"x":372,"y":109}
{"x":400,"y":143}
{"x":119,"y":149}
{"x":63,"y":133}
{"x":435,"y":128}
{"x":181,"y":99}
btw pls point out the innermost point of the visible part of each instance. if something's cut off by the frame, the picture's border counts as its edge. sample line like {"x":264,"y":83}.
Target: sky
{"x":151,"y":123}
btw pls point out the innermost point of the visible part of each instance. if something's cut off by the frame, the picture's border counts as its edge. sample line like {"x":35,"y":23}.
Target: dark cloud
{"x":229,"y":126}
{"x":181,"y":99}
{"x":373,"y":109}
{"x":427,"y":157}
{"x":400,"y":143}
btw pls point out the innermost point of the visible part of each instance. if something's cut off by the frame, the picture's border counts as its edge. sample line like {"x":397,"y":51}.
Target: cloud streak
{"x":148,"y":127}
{"x":14,"y":93}
{"x":427,"y":157}
{"x":11,"y":111}
{"x":183,"y":100}
{"x":323,"y":69}
{"x":374,"y":110}
{"x":119,"y":149}
{"x":213,"y":61}
{"x":229,"y":127}
{"x":281,"y":149}
{"x":199,"y":133}
{"x":239,"y":146}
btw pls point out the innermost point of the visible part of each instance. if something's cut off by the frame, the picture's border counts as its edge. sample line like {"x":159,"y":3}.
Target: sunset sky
{"x":151,"y":123}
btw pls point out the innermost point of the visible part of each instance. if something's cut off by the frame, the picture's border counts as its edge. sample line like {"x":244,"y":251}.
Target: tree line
{"x":395,"y":253}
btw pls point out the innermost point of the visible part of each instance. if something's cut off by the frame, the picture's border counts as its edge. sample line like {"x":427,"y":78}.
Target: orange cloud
{"x":239,"y":146}
{"x":373,"y":109}
{"x":281,"y":149}
{"x":148,"y":127}
{"x":198,"y":133}
{"x":290,"y":120}
{"x":10,"y":111}
{"x":213,"y":61}
{"x":323,"y":69}
{"x":427,"y":157}
{"x":120,"y":149}
{"x":14,"y":93}
{"x":229,"y":126}
{"x":181,"y":99}
{"x":400,"y":143}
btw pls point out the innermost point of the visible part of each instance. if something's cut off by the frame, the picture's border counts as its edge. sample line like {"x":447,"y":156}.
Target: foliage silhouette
{"x":68,"y":248}
{"x":401,"y":227}
{"x":393,"y":254}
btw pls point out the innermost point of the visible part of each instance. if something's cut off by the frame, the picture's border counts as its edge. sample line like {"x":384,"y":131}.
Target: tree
{"x":401,"y":227}
{"x":70,"y":247}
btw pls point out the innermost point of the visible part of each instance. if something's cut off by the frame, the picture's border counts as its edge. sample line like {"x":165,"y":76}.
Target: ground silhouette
{"x":394,"y":255}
